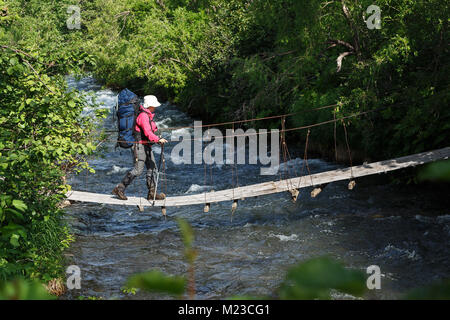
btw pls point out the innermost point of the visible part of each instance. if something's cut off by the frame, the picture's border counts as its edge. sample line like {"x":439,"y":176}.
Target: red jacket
{"x":145,"y":122}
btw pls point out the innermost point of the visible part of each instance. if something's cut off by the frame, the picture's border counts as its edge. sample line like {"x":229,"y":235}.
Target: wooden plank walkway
{"x":272,"y":186}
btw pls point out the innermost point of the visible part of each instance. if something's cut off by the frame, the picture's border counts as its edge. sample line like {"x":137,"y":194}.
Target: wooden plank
{"x":271,"y":186}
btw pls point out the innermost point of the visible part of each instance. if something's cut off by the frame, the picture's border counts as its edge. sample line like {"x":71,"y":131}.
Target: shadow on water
{"x":404,"y":230}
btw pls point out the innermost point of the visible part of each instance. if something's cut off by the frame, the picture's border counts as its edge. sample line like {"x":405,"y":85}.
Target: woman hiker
{"x":142,"y":150}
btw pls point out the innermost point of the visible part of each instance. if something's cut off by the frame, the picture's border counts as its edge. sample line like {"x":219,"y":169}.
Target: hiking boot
{"x":119,"y":192}
{"x":151,"y":195}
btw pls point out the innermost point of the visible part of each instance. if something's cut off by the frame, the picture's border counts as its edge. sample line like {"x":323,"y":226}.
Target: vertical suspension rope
{"x":304,"y":162}
{"x":289,"y":157}
{"x":234,"y":205}
{"x":140,"y":207}
{"x":235,"y":166}
{"x":204,"y":180}
{"x":208,"y":205}
{"x":204,"y":173}
{"x":283,"y":143}
{"x":211,"y":176}
{"x":335,"y":141}
{"x":287,"y":173}
{"x":306,"y":156}
{"x":348,"y":149}
{"x":163,"y":175}
{"x":303,"y":166}
{"x":232,"y":164}
{"x":352,"y":182}
{"x":279,"y":157}
{"x":163,"y":180}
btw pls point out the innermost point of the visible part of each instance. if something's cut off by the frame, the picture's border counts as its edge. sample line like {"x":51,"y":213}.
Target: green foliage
{"x":314,"y":279}
{"x":190,"y":254}
{"x":40,"y":27}
{"x":223,"y":60}
{"x":157,"y":281}
{"x":44,"y":136}
{"x":130,"y":290}
{"x":187,"y":235}
{"x":20,"y":289}
{"x":437,"y":171}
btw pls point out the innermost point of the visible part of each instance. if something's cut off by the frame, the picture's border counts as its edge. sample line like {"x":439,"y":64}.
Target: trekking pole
{"x":157,"y":173}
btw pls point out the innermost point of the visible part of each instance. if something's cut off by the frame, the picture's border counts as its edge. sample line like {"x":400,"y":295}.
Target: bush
{"x":44,"y":136}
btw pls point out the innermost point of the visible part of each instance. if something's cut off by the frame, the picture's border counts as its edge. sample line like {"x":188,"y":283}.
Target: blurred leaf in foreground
{"x":437,"y":171}
{"x":315,"y":278}
{"x":20,"y":289}
{"x":159,"y":282}
{"x":186,"y":232}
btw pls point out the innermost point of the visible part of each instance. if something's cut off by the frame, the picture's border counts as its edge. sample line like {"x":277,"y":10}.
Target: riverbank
{"x":44,"y":136}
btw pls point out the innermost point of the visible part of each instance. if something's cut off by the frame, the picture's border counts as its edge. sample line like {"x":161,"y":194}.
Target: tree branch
{"x":348,"y":16}
{"x":279,"y":54}
{"x":49,"y":65}
{"x":340,"y":58}
{"x":340,"y":42}
{"x":37,"y":75}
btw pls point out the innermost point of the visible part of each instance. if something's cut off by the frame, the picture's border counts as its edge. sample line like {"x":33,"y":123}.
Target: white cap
{"x":151,"y":101}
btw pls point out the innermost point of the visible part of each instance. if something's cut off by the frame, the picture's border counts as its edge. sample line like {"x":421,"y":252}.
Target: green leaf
{"x":10,"y":70}
{"x":15,"y":212}
{"x":437,"y":171}
{"x":20,"y":289}
{"x":315,"y":278}
{"x":14,"y":240}
{"x":19,"y":205}
{"x":186,"y":232}
{"x":157,"y":281}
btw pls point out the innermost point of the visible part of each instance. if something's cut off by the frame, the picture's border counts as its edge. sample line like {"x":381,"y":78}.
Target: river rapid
{"x":404,"y":230}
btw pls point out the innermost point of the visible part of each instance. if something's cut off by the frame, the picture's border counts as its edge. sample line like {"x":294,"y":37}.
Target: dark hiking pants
{"x":142,"y":157}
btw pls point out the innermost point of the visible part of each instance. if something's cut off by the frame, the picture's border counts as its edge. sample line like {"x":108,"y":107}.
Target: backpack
{"x":127,"y":110}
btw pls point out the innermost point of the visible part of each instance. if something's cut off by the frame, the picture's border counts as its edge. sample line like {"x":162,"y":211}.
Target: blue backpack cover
{"x":127,"y":111}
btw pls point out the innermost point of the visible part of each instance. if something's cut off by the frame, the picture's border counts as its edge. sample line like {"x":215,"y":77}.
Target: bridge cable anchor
{"x":294,"y":194}
{"x":351,"y":184}
{"x":318,"y":190}
{"x":233,"y":208}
